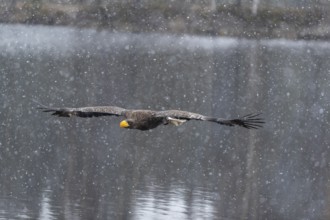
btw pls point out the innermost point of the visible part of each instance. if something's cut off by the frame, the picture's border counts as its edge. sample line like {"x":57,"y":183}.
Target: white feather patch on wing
{"x":175,"y":121}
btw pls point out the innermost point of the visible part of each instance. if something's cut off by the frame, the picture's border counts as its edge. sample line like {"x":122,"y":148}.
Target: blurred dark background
{"x":294,"y":19}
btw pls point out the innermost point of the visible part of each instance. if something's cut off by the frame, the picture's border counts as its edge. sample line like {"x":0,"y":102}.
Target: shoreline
{"x":225,"y":21}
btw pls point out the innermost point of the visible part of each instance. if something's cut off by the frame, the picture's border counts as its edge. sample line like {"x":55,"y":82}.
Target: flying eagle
{"x":148,"y":119}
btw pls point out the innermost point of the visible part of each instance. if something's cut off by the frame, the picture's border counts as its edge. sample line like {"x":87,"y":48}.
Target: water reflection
{"x":157,"y":202}
{"x":59,"y":168}
{"x":45,"y":206}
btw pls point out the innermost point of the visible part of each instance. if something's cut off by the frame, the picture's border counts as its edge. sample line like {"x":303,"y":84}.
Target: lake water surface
{"x":74,"y":168}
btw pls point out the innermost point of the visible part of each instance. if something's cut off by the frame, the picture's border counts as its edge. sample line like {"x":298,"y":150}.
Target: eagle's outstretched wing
{"x":248,"y":121}
{"x":85,"y":112}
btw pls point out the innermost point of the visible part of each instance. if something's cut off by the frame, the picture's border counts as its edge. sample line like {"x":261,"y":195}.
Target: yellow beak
{"x":124,"y":124}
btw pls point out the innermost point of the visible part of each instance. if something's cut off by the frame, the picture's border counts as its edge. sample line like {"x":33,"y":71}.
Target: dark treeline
{"x":239,"y":18}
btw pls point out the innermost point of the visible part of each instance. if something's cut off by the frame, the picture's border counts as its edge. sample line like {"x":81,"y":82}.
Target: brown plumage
{"x":148,"y":119}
